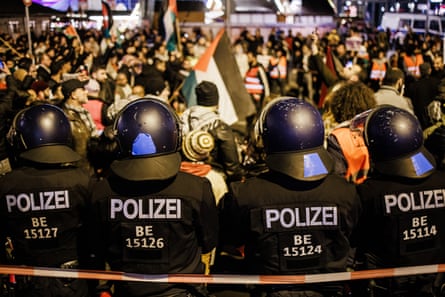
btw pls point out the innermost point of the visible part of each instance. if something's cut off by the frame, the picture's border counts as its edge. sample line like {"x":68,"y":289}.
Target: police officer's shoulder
{"x":192,"y":184}
{"x":182,"y":183}
{"x":95,"y":183}
{"x":82,"y":176}
{"x":272,"y":179}
{"x":337,"y":181}
{"x":248,"y":189}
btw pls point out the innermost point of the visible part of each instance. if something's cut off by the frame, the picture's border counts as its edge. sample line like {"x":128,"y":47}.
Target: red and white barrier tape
{"x":222,"y":278}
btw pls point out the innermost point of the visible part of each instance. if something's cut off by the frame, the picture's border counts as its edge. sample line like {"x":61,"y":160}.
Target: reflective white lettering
{"x":160,"y":206}
{"x":301,"y":217}
{"x":171,"y":209}
{"x":316,"y":221}
{"x":24,"y":202}
{"x":409,"y":202}
{"x":116,"y":206}
{"x":10,"y":202}
{"x":156,"y":208}
{"x":48,"y":200}
{"x":131,"y":209}
{"x":390,"y":201}
{"x":404,"y":202}
{"x":438,"y":197}
{"x":272,"y":215}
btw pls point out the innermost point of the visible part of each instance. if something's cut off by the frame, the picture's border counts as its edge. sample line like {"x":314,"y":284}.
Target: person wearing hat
{"x":298,"y":217}
{"x":82,"y":124}
{"x":205,"y":117}
{"x":149,"y":217}
{"x":43,"y":203}
{"x":403,"y":206}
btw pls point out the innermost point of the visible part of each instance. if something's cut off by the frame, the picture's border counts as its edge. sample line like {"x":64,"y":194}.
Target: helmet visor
{"x":152,"y":168}
{"x":417,"y":165}
{"x":317,"y":164}
{"x":51,"y":154}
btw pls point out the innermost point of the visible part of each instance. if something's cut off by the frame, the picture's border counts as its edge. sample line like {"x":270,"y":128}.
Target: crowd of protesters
{"x":273,"y":63}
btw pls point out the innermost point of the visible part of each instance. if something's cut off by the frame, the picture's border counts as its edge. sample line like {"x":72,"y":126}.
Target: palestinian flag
{"x":169,"y":15}
{"x":218,"y":65}
{"x":107,"y":21}
{"x":70,"y":31}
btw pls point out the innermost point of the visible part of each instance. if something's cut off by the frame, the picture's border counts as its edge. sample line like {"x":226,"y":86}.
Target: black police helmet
{"x":42,"y":133}
{"x":292,"y":133}
{"x":149,"y":137}
{"x":395,"y":143}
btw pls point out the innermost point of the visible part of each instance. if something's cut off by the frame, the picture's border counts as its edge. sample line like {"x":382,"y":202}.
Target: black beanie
{"x":155,"y":86}
{"x":207,"y":94}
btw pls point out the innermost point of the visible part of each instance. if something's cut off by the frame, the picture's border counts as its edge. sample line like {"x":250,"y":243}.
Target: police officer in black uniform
{"x":153,"y":219}
{"x":296,"y":218}
{"x":42,"y":205}
{"x":403,"y":203}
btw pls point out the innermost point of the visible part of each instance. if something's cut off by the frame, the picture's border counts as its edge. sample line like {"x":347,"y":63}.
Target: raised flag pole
{"x":27,"y":4}
{"x":11,"y":47}
{"x":228,"y":21}
{"x":176,"y":92}
{"x":178,"y":34}
{"x":443,"y":46}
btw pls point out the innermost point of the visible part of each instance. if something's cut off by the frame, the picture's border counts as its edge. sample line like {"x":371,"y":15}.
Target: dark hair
{"x":425,"y":69}
{"x":349,"y":100}
{"x":25,"y":63}
{"x":97,"y":66}
{"x":392,"y":76}
{"x":56,"y":66}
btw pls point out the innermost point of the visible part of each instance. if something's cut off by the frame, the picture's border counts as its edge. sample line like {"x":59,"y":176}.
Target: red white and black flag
{"x":218,"y":65}
{"x":71,"y":32}
{"x":168,"y":24}
{"x":107,"y":21}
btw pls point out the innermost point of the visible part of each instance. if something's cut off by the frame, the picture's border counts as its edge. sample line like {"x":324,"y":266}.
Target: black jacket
{"x":42,"y":211}
{"x":153,"y":227}
{"x":289,"y":226}
{"x":421,"y":93}
{"x":402,"y":222}
{"x":225,"y":153}
{"x":59,"y":196}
